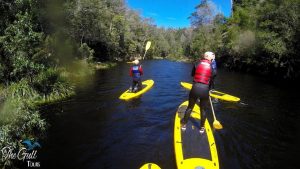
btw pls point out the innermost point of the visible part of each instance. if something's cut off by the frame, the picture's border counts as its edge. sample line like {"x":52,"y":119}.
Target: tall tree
{"x":204,"y":14}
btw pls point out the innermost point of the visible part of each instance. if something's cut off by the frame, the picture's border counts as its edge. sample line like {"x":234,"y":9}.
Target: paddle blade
{"x":217,"y":125}
{"x":148,"y":45}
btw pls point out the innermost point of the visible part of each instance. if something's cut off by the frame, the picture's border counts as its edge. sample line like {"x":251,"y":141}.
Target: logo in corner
{"x":31,"y":145}
{"x":26,"y":153}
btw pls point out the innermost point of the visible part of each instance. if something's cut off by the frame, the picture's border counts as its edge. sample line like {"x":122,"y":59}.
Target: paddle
{"x":147,"y":47}
{"x":216,"y":123}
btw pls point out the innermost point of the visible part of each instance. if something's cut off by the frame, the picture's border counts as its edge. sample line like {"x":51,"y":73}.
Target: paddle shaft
{"x":212,"y":108}
{"x":144,"y":54}
{"x":216,"y":123}
{"x":148,"y":44}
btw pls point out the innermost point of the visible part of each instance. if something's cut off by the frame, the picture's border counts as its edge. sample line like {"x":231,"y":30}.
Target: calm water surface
{"x":96,"y":130}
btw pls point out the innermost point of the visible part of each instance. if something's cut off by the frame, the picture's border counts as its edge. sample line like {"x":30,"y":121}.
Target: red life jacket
{"x":203,"y":72}
{"x":136,"y":71}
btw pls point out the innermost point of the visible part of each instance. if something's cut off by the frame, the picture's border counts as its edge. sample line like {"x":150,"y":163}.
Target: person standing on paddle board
{"x":214,"y":73}
{"x":202,"y":73}
{"x":136,"y":72}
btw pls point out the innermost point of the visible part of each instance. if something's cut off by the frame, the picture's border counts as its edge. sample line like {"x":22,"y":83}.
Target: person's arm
{"x":141,"y":70}
{"x":214,"y":74}
{"x":214,"y":68}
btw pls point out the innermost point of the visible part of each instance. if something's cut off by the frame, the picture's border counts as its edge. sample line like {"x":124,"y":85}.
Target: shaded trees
{"x":260,"y":35}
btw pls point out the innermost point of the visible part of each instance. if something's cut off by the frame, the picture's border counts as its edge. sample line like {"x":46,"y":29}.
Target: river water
{"x":96,"y":130}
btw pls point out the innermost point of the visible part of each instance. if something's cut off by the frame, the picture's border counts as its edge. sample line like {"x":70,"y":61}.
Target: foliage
{"x":49,"y":83}
{"x":18,"y":121}
{"x":32,"y":63}
{"x":21,"y":48}
{"x":19,"y":118}
{"x":116,"y":32}
{"x":260,"y":36}
{"x":19,"y":114}
{"x":85,"y":52}
{"x":204,"y":14}
{"x":279,"y":36}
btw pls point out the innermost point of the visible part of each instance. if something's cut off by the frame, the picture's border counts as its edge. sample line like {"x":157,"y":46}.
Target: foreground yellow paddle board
{"x":192,"y":149}
{"x":214,"y":94}
{"x":147,"y":84}
{"x":150,"y":166}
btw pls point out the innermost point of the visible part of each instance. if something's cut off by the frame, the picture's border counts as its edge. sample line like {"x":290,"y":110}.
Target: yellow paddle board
{"x":214,"y":93}
{"x":147,"y":84}
{"x":192,"y":149}
{"x":150,"y":166}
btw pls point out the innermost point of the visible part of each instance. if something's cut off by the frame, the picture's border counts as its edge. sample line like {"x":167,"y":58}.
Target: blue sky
{"x":173,"y":13}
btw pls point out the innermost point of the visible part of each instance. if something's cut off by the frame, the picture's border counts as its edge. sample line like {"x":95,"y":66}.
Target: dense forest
{"x":45,"y":46}
{"x":260,"y":36}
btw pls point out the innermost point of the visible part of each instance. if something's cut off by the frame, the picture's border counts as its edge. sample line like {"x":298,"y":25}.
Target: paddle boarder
{"x":202,"y":74}
{"x":214,"y":73}
{"x":136,"y":71}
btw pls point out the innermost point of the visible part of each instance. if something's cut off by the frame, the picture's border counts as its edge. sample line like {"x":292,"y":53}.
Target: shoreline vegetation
{"x":104,"y":65}
{"x":47,"y":47}
{"x":20,"y":116}
{"x":180,"y":59}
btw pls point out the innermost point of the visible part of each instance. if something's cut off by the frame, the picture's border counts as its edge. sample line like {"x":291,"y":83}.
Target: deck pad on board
{"x":194,"y":144}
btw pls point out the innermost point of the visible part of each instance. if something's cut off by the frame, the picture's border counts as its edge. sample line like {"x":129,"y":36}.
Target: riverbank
{"x":158,"y":58}
{"x":179,"y":59}
{"x":20,"y":116}
{"x":103,"y":65}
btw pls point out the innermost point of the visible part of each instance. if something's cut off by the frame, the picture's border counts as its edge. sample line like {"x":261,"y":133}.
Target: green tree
{"x":23,"y":56}
{"x":204,"y":14}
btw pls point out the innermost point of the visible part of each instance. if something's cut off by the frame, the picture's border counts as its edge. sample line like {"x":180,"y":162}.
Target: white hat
{"x":209,"y":55}
{"x":136,"y":62}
